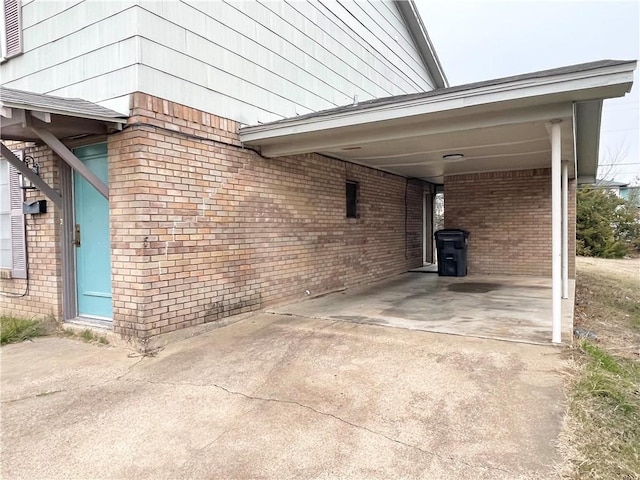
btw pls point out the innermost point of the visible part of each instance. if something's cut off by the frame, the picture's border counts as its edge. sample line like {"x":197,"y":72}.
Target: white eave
{"x":420,"y":126}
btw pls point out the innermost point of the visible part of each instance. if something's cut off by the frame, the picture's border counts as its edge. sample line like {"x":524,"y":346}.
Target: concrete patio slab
{"x":514,"y":308}
{"x":283,"y":397}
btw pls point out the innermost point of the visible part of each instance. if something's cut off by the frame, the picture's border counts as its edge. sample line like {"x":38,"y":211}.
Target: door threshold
{"x":93,"y":322}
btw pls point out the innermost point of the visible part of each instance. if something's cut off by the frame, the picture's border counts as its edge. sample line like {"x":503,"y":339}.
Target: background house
{"x":620,"y":189}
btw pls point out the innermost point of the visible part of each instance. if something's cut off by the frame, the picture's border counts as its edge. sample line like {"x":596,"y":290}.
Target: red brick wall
{"x":44,"y":293}
{"x":508,"y":215}
{"x":202,"y":228}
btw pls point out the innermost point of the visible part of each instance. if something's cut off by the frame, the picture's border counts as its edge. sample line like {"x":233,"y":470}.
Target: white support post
{"x":565,"y":229}
{"x":556,"y":229}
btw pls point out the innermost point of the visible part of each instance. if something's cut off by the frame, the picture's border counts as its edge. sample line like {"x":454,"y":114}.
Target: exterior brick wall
{"x":42,"y":291}
{"x":508,"y":215}
{"x":202,"y":228}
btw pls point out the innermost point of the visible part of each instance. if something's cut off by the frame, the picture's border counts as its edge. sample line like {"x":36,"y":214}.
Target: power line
{"x":617,"y":164}
{"x":622,"y":129}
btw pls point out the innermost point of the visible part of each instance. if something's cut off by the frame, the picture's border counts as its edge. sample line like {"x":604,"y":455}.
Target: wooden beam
{"x":73,"y":161}
{"x":11,"y":116}
{"x":42,"y":116}
{"x":35,"y":179}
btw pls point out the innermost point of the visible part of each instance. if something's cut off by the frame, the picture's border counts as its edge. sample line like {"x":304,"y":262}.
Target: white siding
{"x":251,"y":61}
{"x":257,"y":61}
{"x":77,"y":48}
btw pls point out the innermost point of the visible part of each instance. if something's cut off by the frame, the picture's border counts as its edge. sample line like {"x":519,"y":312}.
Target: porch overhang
{"x":495,"y":125}
{"x":47,"y":119}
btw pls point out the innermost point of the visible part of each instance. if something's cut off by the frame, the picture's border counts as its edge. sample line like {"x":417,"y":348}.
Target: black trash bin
{"x":452,"y":252}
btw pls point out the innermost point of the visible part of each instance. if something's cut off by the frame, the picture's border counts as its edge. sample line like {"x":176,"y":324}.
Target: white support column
{"x":556,"y":229}
{"x":565,"y":229}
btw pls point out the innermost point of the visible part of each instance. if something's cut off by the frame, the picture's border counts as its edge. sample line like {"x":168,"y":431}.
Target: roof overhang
{"x":497,"y":125}
{"x":20,"y":111}
{"x":47,"y":119}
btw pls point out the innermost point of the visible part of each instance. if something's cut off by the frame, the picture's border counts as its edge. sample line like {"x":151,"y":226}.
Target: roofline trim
{"x":524,"y":88}
{"x":412,"y":18}
{"x":66,"y":113}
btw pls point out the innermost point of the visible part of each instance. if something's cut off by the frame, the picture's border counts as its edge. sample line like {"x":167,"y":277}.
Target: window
{"x":11,"y":28}
{"x":352,"y":199}
{"x":13,"y":256}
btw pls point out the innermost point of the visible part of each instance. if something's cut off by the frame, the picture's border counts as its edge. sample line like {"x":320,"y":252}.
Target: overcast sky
{"x":483,"y":39}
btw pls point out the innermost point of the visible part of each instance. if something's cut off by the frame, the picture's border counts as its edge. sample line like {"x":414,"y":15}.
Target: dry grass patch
{"x":608,"y":303}
{"x":603,"y":422}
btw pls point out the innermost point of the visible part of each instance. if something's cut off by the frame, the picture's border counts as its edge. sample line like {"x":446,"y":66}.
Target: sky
{"x":485,"y":39}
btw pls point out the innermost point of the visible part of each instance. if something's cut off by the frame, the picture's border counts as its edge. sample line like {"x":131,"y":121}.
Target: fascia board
{"x":587,"y":137}
{"x":609,"y":77}
{"x":303,"y":143}
{"x":65,"y":113}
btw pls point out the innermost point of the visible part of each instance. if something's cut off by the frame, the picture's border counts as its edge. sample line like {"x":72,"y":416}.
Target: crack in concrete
{"x":327,"y":414}
{"x":76,"y":389}
{"x":286,"y":354}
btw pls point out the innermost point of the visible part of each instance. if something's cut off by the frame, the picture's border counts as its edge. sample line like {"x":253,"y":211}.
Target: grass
{"x":86,"y":335}
{"x":603,"y":424}
{"x":15,"y":329}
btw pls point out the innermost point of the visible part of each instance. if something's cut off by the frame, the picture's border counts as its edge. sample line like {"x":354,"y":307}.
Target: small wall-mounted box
{"x":39,"y":206}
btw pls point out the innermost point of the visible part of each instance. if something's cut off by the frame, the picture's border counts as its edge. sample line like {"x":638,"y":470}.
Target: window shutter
{"x":12,"y":28}
{"x":18,"y":234}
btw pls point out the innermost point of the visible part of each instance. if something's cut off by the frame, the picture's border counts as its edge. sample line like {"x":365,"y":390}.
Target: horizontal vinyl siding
{"x":64,"y":22}
{"x":77,"y":49}
{"x":164,"y":42}
{"x":378,"y":35}
{"x":176,"y":89}
{"x":250,"y":61}
{"x":111,"y":89}
{"x":341,"y":47}
{"x":86,"y":39}
{"x":269,"y":60}
{"x":392,"y":30}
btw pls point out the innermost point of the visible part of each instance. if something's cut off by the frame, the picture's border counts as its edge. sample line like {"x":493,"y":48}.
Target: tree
{"x":606,"y":225}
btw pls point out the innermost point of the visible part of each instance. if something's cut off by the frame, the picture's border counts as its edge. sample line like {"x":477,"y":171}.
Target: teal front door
{"x":93,"y":253}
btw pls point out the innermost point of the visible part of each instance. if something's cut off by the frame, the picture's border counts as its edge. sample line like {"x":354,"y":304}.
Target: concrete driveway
{"x":502,"y":307}
{"x":276,"y":396}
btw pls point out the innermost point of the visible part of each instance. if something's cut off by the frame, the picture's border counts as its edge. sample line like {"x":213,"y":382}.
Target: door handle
{"x":76,"y":235}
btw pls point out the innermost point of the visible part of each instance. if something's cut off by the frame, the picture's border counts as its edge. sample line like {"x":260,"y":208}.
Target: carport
{"x":547,"y":121}
{"x":512,"y":308}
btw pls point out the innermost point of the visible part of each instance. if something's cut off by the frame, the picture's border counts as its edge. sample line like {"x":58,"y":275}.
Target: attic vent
{"x":12,"y":28}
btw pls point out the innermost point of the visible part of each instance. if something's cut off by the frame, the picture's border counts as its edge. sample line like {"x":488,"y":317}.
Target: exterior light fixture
{"x":32,"y":165}
{"x":453,"y":156}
